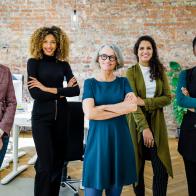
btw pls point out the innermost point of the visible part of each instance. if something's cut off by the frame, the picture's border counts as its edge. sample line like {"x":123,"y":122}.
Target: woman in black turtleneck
{"x":47,"y":69}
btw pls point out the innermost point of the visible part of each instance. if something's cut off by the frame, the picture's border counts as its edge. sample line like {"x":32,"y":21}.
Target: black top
{"x":187,"y":144}
{"x":50,"y":72}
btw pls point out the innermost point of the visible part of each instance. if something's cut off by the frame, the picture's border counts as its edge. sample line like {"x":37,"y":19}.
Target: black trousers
{"x":187,"y":148}
{"x":49,"y":135}
{"x":160,"y":177}
{"x":190,"y":168}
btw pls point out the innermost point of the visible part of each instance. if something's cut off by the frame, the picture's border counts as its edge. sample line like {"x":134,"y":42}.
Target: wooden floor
{"x":176,"y":186}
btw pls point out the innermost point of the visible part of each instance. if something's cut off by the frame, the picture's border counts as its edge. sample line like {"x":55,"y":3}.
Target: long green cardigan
{"x":137,"y":120}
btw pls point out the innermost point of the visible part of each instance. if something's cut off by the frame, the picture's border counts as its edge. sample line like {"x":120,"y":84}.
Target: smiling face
{"x":107,"y":59}
{"x":145,"y":52}
{"x":49,"y":45}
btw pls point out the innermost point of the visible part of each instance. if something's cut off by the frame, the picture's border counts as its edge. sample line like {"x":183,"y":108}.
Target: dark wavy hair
{"x":36,"y":42}
{"x":156,"y":67}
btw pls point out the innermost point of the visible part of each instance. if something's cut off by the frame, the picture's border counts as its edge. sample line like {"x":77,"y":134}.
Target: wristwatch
{"x":1,"y":132}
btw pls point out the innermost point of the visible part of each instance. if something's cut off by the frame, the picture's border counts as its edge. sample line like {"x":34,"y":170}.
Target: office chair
{"x":74,"y":147}
{"x":67,"y":181}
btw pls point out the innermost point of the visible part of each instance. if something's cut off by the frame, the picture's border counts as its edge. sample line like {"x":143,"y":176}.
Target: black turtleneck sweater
{"x":51,"y":73}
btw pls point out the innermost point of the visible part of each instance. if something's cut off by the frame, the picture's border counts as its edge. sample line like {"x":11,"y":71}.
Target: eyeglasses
{"x":105,"y":56}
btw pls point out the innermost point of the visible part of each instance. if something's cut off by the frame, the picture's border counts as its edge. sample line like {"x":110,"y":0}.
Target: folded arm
{"x":104,"y":112}
{"x":93,"y":112}
{"x":182,"y":99}
{"x":37,"y":93}
{"x":41,"y":92}
{"x":125,"y":107}
{"x":69,"y":91}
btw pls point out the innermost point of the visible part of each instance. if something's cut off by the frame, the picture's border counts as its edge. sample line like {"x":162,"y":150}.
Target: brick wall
{"x":171,"y":23}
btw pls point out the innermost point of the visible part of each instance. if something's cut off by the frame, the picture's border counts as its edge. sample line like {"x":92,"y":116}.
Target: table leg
{"x":16,"y":170}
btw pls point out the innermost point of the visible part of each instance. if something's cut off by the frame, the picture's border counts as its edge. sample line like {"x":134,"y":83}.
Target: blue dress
{"x":109,"y":155}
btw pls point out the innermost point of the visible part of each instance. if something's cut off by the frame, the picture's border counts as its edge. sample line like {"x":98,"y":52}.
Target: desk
{"x":21,"y":119}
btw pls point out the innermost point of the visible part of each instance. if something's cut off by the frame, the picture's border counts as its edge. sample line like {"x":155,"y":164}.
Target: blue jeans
{"x":3,"y":150}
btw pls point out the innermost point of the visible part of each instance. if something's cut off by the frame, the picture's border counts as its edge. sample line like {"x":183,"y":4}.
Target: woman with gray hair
{"x":106,"y":101}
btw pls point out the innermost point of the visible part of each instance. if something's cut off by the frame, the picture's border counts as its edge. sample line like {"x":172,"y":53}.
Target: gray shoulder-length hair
{"x":117,"y":52}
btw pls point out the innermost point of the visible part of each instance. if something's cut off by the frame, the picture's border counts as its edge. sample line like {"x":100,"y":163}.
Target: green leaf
{"x":174,"y":66}
{"x":174,"y":82}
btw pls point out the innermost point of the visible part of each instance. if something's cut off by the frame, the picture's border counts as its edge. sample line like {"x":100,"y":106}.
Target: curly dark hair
{"x":156,"y":67}
{"x":37,"y":38}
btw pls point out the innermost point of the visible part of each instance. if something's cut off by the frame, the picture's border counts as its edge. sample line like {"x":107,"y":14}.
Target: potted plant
{"x":173,"y":74}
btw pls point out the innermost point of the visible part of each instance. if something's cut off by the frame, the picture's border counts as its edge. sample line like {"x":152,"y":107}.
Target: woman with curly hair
{"x":49,"y":48}
{"x":147,"y":124}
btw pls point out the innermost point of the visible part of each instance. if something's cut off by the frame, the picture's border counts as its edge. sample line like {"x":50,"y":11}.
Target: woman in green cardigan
{"x":147,"y":124}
